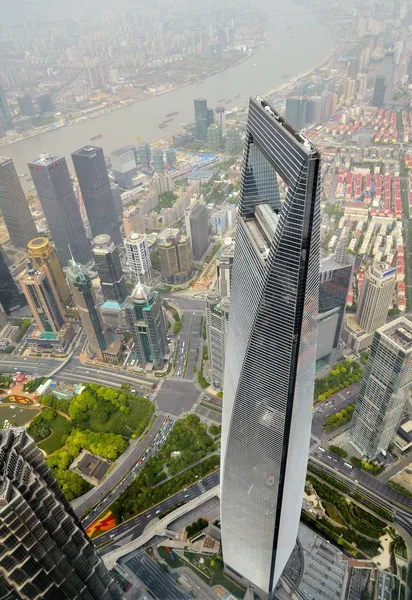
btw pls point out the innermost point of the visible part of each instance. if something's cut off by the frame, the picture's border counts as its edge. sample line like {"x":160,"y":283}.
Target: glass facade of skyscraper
{"x":271,"y":352}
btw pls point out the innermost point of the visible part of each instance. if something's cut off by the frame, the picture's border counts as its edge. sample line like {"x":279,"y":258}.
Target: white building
{"x":138,"y":258}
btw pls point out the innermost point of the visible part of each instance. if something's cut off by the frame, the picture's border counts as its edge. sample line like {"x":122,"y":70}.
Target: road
{"x":188,"y":304}
{"x":335,"y":403}
{"x":114,"y":379}
{"x":159,"y":583}
{"x":37,"y":366}
{"x":135,"y":526}
{"x":122,"y":475}
{"x":184,"y":340}
{"x":194,"y":346}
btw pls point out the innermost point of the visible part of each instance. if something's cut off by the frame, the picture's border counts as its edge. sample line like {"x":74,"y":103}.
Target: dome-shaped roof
{"x":141,"y":292}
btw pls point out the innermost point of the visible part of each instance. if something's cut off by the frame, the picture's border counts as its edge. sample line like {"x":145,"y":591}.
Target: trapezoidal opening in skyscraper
{"x":271,"y":349}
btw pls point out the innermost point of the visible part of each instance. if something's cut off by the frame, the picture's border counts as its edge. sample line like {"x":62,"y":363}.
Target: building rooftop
{"x":45,"y":160}
{"x":261,"y":228}
{"x":399,"y":332}
{"x":86,"y":150}
{"x":121,"y":151}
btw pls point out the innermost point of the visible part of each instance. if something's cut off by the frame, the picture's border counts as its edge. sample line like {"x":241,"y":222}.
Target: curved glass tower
{"x":271,"y":350}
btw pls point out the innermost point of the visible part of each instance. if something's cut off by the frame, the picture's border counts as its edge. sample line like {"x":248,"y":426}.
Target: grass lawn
{"x":333,"y":513}
{"x":60,"y":427}
{"x":213,"y":575}
{"x":167,"y":558}
{"x":122,"y":423}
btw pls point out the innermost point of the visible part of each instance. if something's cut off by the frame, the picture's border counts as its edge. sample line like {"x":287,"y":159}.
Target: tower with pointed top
{"x":145,"y":318}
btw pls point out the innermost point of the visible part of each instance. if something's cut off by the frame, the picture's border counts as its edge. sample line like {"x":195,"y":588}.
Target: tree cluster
{"x":32,"y":385}
{"x":342,"y":376}
{"x":40,"y":427}
{"x":366,"y":466}
{"x":339,"y":418}
{"x":338,"y":451}
{"x":196,"y":527}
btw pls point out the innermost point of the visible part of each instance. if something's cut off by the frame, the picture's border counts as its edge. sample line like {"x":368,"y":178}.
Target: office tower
{"x":271,"y":350}
{"x":384,"y":390}
{"x":101,"y":340}
{"x":45,"y":103}
{"x":43,"y":299}
{"x":379,"y":91}
{"x":94,"y":183}
{"x":133,"y":220}
{"x":201,"y":118}
{"x":146,"y":321}
{"x":43,"y":256}
{"x":109,"y":269}
{"x":144,"y":155}
{"x":171,"y":158}
{"x":296,"y":112}
{"x":3,"y":317}
{"x":210,"y":117}
{"x":176,"y":259}
{"x":5,"y":115}
{"x":26,"y":105}
{"x":233,"y":143}
{"x":158,"y":160}
{"x":196,"y":219}
{"x":10,"y":297}
{"x":96,"y":74}
{"x":221,"y":118}
{"x":217,"y":324}
{"x":224,"y":268}
{"x":162,"y":182}
{"x":124,"y":167}
{"x":138,"y":258}
{"x":373,"y":306}
{"x":117,"y":199}
{"x":44,"y":551}
{"x":214,"y":138}
{"x":54,"y":188}
{"x":13,"y":205}
{"x":335,"y":279}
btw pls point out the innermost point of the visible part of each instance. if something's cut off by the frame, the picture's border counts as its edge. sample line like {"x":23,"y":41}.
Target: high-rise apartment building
{"x":138,"y":258}
{"x":43,"y":256}
{"x":196,"y":220}
{"x":109,"y":269}
{"x":335,"y":279}
{"x":296,"y":112}
{"x":176,"y":259}
{"x":133,"y":220}
{"x":271,"y":350}
{"x":158,"y":160}
{"x":94,"y":183}
{"x":217,"y":325}
{"x":214,"y":138}
{"x":224,"y":268}
{"x":117,"y":199}
{"x":373,"y":306}
{"x":10,"y":297}
{"x":203,"y":118}
{"x":54,"y":188}
{"x":124,"y":167}
{"x":384,"y":389}
{"x":171,"y":158}
{"x":145,"y":318}
{"x":5,"y":114}
{"x":162,"y":182}
{"x":13,"y":205}
{"x":43,"y":299}
{"x":379,"y":91}
{"x":102,"y":342}
{"x":44,"y":552}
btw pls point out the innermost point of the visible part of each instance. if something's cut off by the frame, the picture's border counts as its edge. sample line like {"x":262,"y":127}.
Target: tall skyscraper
{"x":43,"y":256}
{"x":94,"y":183}
{"x":271,"y":350}
{"x":384,"y":389}
{"x":373,"y":306}
{"x":44,"y":551}
{"x":45,"y":103}
{"x":13,"y":205}
{"x":5,"y":115}
{"x":54,"y":188}
{"x":117,"y":199}
{"x":26,"y":105}
{"x":109,"y":269}
{"x":214,"y":138}
{"x":144,"y":155}
{"x":335,"y":278}
{"x":196,"y":219}
{"x":43,"y":299}
{"x":138,"y":258}
{"x":224,"y":268}
{"x":201,"y":118}
{"x":145,"y":318}
{"x":158,"y":160}
{"x":176,"y":259}
{"x":217,"y":325}
{"x":10,"y":297}
{"x":102,"y":341}
{"x":379,"y":91}
{"x":171,"y":158}
{"x":296,"y":112}
{"x":221,"y":118}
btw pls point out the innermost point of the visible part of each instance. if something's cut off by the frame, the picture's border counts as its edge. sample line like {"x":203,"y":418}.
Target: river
{"x":287,"y":51}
